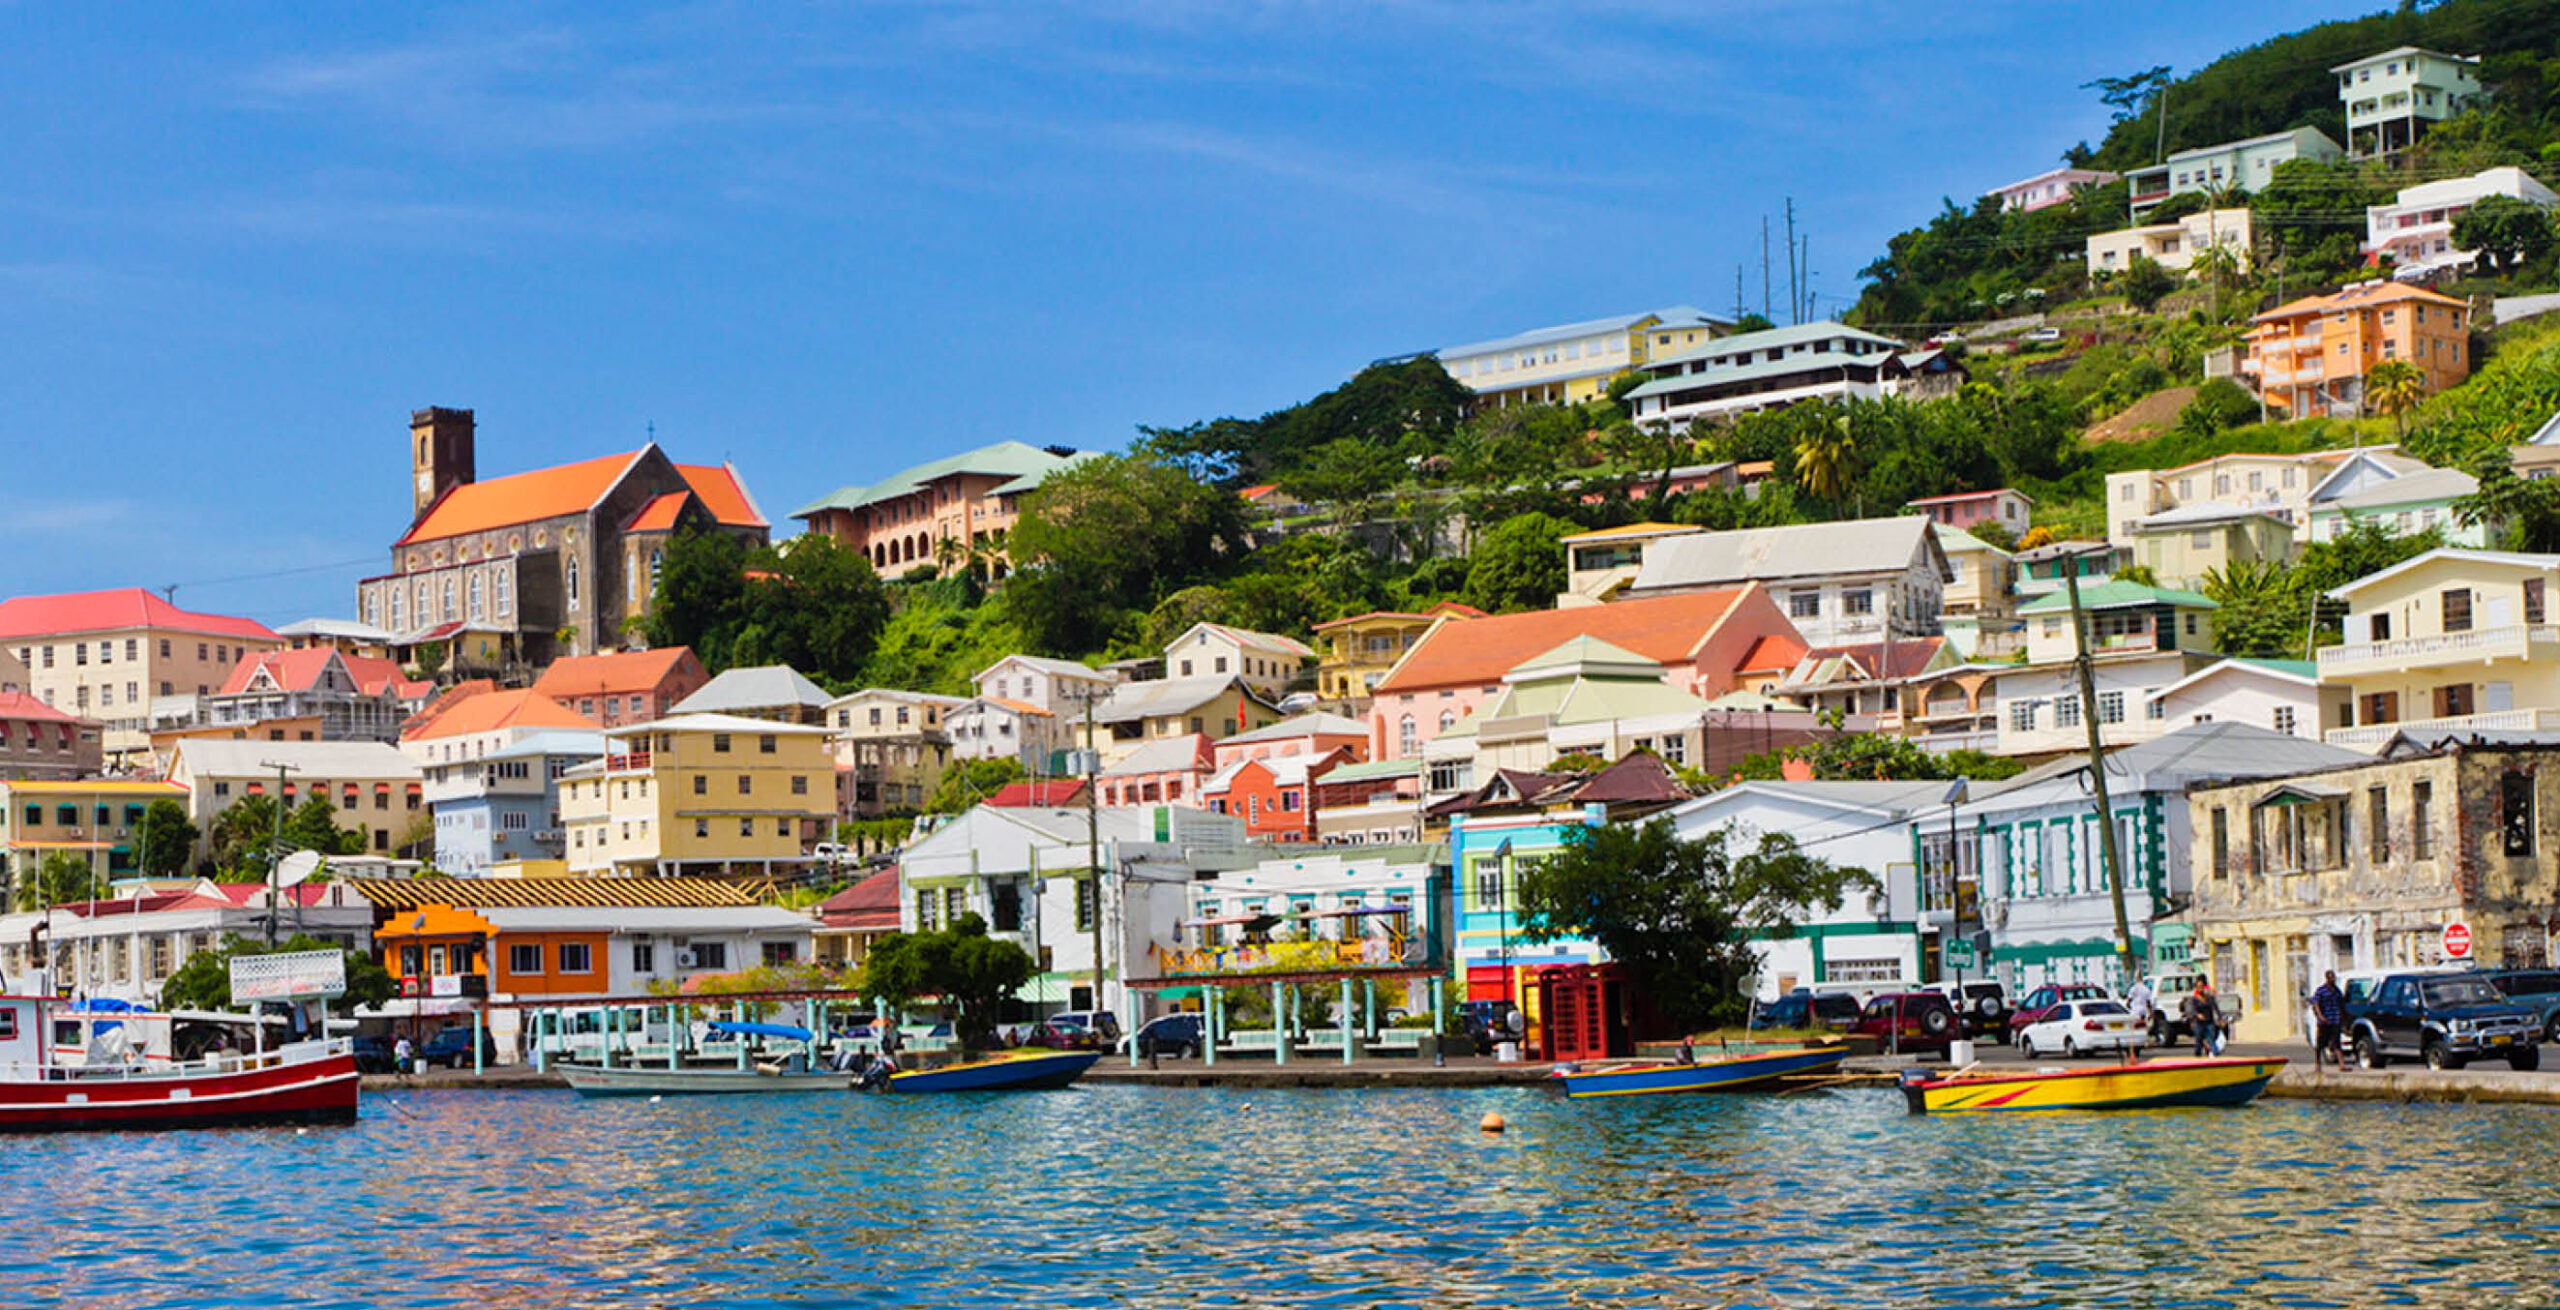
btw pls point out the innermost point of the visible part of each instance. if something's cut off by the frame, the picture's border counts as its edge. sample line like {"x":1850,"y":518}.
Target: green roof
{"x":1025,"y":465}
{"x":2116,"y":594}
{"x":2296,"y":668}
{"x":1368,"y":769}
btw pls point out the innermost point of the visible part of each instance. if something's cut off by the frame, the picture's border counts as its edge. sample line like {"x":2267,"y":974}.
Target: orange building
{"x":942,"y":514}
{"x":2310,"y":356}
{"x":633,"y":686}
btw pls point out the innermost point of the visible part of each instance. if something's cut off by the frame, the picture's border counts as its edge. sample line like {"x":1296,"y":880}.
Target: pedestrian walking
{"x":2139,"y":1000}
{"x":402,"y":1056}
{"x":2329,"y":1015}
{"x":2204,"y":1017}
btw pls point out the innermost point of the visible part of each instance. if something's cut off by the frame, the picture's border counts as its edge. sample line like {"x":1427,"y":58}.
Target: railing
{"x":2374,"y":734}
{"x":139,"y":1066}
{"x":2479,"y":643}
{"x":1284,"y":957}
{"x":630,"y":760}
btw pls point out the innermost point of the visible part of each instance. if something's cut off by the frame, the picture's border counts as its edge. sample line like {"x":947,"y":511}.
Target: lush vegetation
{"x":2283,"y":612}
{"x":808,"y":602}
{"x":1872,"y":757}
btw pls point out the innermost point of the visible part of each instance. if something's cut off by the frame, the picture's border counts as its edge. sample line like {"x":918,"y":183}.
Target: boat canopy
{"x":727,"y":1028}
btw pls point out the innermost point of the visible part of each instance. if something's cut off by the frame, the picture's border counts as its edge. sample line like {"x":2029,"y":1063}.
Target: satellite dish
{"x":294,"y":868}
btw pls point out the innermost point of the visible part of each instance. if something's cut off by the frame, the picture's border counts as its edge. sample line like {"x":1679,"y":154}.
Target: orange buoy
{"x":1492,"y":1122}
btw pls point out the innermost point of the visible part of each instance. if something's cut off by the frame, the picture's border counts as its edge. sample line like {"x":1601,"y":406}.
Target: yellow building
{"x":2181,"y":546}
{"x":1353,"y":654}
{"x":105,"y":654}
{"x":2452,"y":640}
{"x":1573,"y":363}
{"x":99,"y":821}
{"x":697,"y":794}
{"x":1598,"y":565}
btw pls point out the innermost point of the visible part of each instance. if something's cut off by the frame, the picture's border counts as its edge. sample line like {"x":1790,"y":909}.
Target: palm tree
{"x":1823,"y":457}
{"x":2395,"y":386}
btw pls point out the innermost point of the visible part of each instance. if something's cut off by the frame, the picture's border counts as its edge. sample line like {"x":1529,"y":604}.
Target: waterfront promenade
{"x":2487,"y":1083}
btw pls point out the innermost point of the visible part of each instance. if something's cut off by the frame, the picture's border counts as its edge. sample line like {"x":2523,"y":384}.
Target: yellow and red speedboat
{"x":2149,"y":1084}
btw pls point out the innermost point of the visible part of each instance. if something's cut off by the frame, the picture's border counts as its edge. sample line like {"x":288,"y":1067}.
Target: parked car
{"x":2078,"y":1027}
{"x":1079,"y":1030}
{"x":1487,"y":1023}
{"x":450,"y":1048}
{"x":827,"y":852}
{"x":1837,"y":1011}
{"x":2043,"y":1000}
{"x":373,"y":1055}
{"x":2535,"y":989}
{"x":1983,"y":1002}
{"x":1176,"y":1035}
{"x":2445,"y":1019}
{"x":2045,"y":334}
{"x":1904,"y":1021}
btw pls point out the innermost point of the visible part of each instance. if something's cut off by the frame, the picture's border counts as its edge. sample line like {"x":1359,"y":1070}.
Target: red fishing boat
{"x":66,"y":1067}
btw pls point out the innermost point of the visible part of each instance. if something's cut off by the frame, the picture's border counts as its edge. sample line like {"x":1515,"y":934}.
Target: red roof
{"x":612,"y":674}
{"x":1038,"y":795}
{"x":723,"y":494}
{"x":869,"y":904}
{"x":18,"y":706}
{"x":1664,"y":629}
{"x":1772,"y":655}
{"x":298,"y":669}
{"x":1905,"y":658}
{"x":492,"y":710}
{"x":110,"y":611}
{"x":570,"y":489}
{"x":659,"y":515}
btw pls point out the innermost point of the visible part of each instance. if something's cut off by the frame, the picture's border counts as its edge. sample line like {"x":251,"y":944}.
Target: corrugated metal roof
{"x":529,"y":893}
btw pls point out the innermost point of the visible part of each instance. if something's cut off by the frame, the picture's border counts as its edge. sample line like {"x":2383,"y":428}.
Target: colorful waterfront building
{"x":1573,"y":998}
{"x":700,"y":793}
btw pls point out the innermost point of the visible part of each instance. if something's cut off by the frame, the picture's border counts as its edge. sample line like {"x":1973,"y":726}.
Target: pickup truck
{"x":2445,"y":1019}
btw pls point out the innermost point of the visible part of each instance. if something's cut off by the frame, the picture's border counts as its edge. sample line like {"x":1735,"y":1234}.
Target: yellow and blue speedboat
{"x":2150,"y":1084}
{"x":1733,"y":1073}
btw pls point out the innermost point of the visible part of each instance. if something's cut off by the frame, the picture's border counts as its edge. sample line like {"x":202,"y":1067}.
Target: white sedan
{"x":2076,"y":1027}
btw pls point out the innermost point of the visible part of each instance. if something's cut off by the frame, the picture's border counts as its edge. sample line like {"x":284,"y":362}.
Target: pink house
{"x":1307,"y":734}
{"x":2053,"y":188}
{"x":1166,"y":771}
{"x":1964,"y":509}
{"x":1704,"y":640}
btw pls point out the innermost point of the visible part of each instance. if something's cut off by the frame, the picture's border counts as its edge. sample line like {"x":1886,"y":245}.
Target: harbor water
{"x":1121,"y":1196}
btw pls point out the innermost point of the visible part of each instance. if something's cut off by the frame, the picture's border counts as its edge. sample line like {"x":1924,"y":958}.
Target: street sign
{"x":1959,"y":952}
{"x":2457,"y":940}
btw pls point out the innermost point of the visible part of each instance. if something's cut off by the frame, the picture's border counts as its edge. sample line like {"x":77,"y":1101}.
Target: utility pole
{"x":275,"y":847}
{"x":1091,"y":762}
{"x":1740,"y":307}
{"x":1804,"y":246}
{"x":2083,"y":665}
{"x":1764,"y":266}
{"x":1795,"y":295}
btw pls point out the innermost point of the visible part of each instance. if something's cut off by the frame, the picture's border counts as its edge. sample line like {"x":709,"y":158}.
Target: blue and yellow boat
{"x":1005,"y":1071}
{"x":2148,"y":1085}
{"x":1732,"y":1073}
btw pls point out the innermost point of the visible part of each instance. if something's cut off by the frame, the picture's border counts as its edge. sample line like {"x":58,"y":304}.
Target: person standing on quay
{"x":2139,"y":1000}
{"x":2329,"y":1012}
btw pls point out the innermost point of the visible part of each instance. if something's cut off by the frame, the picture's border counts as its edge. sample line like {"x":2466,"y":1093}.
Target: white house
{"x":1842,"y":584}
{"x":1763,"y":370}
{"x":2415,"y":231}
{"x":1266,"y":661}
{"x":1058,"y":686}
{"x":991,"y":729}
{"x":1871,"y":940}
{"x":2282,"y":696}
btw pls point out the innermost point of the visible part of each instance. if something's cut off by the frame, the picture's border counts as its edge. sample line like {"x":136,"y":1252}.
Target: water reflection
{"x":1130,"y":1196}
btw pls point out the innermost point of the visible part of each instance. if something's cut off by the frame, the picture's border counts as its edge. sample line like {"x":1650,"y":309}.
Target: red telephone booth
{"x":1585,"y":1013}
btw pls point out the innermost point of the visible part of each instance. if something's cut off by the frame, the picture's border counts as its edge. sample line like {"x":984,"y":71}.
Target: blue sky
{"x":238,"y":244}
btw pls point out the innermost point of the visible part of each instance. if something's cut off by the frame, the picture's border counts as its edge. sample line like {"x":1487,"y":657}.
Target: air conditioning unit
{"x":685,"y":959}
{"x":547,"y":834}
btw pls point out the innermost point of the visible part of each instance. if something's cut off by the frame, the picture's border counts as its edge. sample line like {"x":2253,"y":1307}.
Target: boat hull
{"x":1010,"y":1071}
{"x":2150,"y":1085}
{"x":594,"y":1080}
{"x":1739,"y":1073}
{"x":269,"y":1090}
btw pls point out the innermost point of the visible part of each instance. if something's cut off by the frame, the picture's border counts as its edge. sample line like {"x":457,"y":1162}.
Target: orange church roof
{"x":571,"y":489}
{"x":659,"y":515}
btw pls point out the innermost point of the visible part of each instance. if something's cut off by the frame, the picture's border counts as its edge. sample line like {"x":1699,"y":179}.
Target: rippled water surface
{"x":1145,"y":1196}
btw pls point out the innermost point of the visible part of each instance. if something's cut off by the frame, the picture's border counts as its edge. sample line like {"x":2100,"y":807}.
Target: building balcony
{"x":2478,"y":646}
{"x":2374,"y":734}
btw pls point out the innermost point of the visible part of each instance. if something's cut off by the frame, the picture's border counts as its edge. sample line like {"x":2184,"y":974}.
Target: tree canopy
{"x":1392,"y":409}
{"x":1099,"y":544}
{"x":808,"y":602}
{"x":1680,"y":913}
{"x":1519,"y":565}
{"x":973,"y":974}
